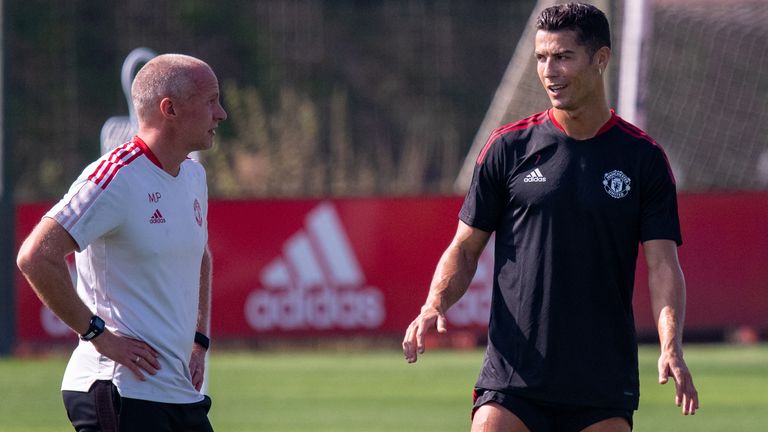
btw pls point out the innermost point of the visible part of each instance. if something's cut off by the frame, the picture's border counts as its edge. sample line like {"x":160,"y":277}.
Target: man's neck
{"x":163,"y":149}
{"x":583,"y":123}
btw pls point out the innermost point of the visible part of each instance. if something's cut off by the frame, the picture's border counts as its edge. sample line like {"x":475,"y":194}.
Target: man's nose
{"x":549,"y":68}
{"x":221,"y":114}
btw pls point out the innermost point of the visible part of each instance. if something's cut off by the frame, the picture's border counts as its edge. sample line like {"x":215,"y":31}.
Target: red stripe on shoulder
{"x":117,"y":159}
{"x":100,"y":170}
{"x":525,"y":123}
{"x":634,"y":131}
{"x":638,"y":133}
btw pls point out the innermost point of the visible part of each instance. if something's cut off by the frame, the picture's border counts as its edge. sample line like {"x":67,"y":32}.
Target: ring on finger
{"x":137,"y":359}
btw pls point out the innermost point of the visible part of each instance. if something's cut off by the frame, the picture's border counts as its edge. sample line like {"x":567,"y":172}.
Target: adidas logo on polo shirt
{"x":535,"y":176}
{"x":156,"y":218}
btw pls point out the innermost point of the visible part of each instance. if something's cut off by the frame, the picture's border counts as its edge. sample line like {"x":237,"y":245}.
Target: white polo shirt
{"x":141,"y":234}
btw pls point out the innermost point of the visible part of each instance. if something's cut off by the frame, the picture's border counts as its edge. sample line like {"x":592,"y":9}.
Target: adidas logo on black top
{"x":535,"y":176}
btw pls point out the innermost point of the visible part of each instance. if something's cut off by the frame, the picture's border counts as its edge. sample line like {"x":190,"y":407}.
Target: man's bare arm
{"x":667,"y":287}
{"x":197,"y":362}
{"x":452,"y":277}
{"x":42,"y":260}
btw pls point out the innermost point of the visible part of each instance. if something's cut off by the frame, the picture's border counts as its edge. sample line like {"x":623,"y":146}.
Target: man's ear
{"x":601,"y":58}
{"x":167,"y":108}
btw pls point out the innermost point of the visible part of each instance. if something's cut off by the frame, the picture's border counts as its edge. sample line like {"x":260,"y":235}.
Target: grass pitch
{"x":377,"y":391}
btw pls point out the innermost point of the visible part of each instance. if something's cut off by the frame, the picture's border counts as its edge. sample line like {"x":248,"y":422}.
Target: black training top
{"x":568,"y":215}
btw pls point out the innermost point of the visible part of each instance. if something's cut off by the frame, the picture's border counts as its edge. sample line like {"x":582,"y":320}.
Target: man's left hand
{"x":197,"y":366}
{"x":686,"y":396}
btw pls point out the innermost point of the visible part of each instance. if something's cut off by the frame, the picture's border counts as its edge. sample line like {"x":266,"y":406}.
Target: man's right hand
{"x":452,"y":277}
{"x":413,"y":343}
{"x":131,"y":353}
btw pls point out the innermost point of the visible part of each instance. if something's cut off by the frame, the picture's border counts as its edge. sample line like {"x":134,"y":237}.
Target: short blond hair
{"x":167,"y":75}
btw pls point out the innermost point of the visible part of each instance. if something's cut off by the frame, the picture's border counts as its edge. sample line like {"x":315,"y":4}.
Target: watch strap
{"x":202,"y":340}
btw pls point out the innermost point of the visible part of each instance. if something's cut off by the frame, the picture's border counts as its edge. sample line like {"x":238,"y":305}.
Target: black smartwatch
{"x":95,"y":328}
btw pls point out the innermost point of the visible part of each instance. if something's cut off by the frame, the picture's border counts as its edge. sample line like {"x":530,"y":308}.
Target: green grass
{"x":377,"y":391}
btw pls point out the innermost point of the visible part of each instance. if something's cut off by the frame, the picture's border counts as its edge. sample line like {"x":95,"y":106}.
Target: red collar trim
{"x":609,"y":124}
{"x":554,"y":121}
{"x":147,"y":151}
{"x":605,"y":128}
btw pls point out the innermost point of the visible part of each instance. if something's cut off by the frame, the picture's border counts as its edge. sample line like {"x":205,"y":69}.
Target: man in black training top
{"x":570,"y":193}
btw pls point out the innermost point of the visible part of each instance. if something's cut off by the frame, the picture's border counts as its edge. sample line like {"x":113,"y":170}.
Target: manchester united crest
{"x":616,"y":183}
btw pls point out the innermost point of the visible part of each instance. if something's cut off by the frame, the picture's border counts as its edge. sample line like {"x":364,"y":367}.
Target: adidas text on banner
{"x":316,"y":283}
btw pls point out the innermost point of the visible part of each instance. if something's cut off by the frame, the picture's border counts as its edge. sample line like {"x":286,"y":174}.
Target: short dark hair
{"x":589,"y":23}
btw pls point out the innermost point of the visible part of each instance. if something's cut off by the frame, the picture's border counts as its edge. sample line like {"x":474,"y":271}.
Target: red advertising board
{"x":344,"y":266}
{"x":316,"y":266}
{"x":725,"y":260}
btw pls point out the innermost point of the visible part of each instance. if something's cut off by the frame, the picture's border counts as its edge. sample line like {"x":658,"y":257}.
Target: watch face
{"x":95,"y":328}
{"x":98,"y":323}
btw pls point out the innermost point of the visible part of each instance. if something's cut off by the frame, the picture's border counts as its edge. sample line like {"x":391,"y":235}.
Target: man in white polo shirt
{"x":137,"y":218}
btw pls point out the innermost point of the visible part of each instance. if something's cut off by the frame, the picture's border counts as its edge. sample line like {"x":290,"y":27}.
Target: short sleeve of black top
{"x":568,"y":216}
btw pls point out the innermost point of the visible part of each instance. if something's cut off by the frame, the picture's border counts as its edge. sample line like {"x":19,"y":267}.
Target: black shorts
{"x":102,"y":409}
{"x":548,"y":417}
